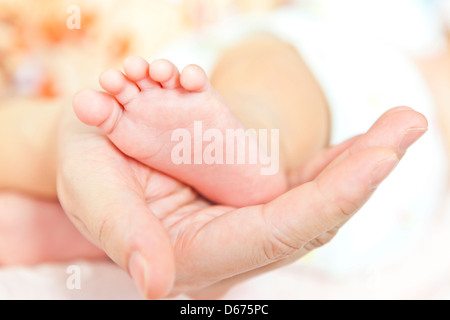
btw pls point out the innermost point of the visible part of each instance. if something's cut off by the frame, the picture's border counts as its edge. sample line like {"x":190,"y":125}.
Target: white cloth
{"x":101,"y":280}
{"x":412,"y":26}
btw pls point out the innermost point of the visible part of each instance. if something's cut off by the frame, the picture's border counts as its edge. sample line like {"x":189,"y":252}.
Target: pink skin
{"x":185,"y":244}
{"x":35,"y":230}
{"x":141,"y":111}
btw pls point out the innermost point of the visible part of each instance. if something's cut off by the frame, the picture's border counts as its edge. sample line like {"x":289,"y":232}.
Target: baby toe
{"x":122,"y":88}
{"x":137,"y":70}
{"x":166,"y":73}
{"x":194,"y":78}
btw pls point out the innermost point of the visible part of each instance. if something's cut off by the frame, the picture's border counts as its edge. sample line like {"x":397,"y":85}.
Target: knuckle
{"x":104,"y":230}
{"x":321,"y":240}
{"x":280,"y":242}
{"x":276,"y":248}
{"x":344,"y":207}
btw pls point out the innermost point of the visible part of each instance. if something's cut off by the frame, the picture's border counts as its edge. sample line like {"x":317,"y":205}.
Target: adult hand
{"x":172,"y":241}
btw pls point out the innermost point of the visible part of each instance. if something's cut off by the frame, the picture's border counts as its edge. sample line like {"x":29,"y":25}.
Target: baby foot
{"x":144,"y":109}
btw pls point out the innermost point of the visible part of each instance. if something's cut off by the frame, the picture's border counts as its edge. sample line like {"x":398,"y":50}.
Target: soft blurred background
{"x":46,"y":55}
{"x":41,"y":56}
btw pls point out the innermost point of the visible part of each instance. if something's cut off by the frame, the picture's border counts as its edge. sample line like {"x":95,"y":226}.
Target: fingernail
{"x":138,"y":268}
{"x":382,"y":170}
{"x":411,"y":136}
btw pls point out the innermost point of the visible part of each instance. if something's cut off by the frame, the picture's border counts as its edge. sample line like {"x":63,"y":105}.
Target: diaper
{"x":361,"y":79}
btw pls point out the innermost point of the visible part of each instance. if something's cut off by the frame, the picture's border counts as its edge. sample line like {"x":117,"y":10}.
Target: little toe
{"x":97,"y":109}
{"x":137,"y":70}
{"x":166,"y":73}
{"x":122,"y":88}
{"x":194,"y":78}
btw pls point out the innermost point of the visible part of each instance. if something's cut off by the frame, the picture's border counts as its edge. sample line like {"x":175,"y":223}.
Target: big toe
{"x":97,"y":109}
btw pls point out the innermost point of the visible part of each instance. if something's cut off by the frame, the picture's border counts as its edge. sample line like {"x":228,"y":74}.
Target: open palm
{"x":173,"y":241}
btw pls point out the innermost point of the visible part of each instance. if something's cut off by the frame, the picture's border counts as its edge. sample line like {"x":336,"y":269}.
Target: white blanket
{"x":425,"y":274}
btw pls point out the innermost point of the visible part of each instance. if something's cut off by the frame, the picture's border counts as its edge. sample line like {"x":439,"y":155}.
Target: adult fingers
{"x":397,"y":129}
{"x":347,"y":183}
{"x":408,"y":124}
{"x":318,"y":163}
